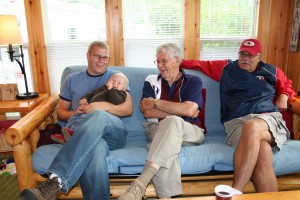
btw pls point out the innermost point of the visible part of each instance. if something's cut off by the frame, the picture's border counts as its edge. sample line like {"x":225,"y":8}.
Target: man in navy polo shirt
{"x":171,"y":102}
{"x":253,"y":95}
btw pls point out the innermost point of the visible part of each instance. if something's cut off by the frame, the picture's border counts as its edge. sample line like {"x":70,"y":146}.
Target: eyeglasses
{"x":98,"y":57}
{"x":246,"y":55}
{"x":163,"y":62}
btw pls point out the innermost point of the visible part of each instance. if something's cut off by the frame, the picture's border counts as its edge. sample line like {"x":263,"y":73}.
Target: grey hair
{"x":98,"y":44}
{"x":171,"y":49}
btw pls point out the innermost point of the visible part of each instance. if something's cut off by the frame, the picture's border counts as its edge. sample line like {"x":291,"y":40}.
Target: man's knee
{"x":98,"y":113}
{"x":254,"y":124}
{"x":172,"y":119}
{"x":257,"y":129}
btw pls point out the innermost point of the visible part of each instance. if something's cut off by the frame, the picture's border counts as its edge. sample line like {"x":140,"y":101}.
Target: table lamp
{"x":10,"y":34}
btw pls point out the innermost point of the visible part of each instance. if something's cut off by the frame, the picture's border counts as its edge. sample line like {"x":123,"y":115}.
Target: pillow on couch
{"x":201,"y":115}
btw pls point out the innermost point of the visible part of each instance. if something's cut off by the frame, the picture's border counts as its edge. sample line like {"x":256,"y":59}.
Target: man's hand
{"x":281,"y":102}
{"x":86,"y":108}
{"x":83,"y":102}
{"x":80,"y":109}
{"x":89,"y":108}
{"x":196,"y":113}
{"x":147,"y":103}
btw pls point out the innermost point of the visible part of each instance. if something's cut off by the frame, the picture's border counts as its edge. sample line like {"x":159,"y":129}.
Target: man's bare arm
{"x":281,"y":102}
{"x":161,"y":108}
{"x":63,"y":112}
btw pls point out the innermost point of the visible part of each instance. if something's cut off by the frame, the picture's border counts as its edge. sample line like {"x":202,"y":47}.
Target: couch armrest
{"x":294,"y":105}
{"x":26,"y":125}
{"x":24,"y":135}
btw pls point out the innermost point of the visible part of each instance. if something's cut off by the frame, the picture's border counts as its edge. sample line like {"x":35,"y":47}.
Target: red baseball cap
{"x":252,"y":46}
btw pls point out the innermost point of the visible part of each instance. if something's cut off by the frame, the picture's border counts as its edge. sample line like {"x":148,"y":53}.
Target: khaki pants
{"x":172,"y":133}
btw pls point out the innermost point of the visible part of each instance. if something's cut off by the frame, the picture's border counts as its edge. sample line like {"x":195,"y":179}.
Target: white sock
{"x":58,"y":179}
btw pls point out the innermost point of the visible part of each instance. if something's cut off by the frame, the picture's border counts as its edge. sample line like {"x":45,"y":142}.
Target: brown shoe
{"x":136,"y":191}
{"x":47,"y":190}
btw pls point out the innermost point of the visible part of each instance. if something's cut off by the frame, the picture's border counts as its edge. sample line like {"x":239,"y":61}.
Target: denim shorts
{"x":277,"y":128}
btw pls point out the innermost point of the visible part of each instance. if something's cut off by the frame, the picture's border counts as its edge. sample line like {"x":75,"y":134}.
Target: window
{"x":10,"y":72}
{"x":224,"y":24}
{"x":70,"y":26}
{"x":147,"y":24}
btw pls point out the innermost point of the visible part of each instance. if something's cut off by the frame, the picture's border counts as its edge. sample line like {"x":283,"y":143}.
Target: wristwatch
{"x":156,"y":101}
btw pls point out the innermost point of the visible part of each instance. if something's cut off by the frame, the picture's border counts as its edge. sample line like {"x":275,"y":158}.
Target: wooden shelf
{"x":21,"y":106}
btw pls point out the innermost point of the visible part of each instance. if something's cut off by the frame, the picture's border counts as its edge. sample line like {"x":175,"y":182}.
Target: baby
{"x":114,"y":91}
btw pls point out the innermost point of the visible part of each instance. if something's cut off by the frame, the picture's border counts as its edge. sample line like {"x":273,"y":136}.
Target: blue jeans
{"x":76,"y":120}
{"x":83,"y":157}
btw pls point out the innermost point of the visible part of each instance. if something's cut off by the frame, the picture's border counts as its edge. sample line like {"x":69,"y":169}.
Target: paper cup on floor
{"x":223,"y":192}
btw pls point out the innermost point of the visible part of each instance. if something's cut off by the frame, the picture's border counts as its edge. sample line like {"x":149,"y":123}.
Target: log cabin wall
{"x":274,"y":28}
{"x":114,"y":28}
{"x":37,"y":46}
{"x":293,"y":58}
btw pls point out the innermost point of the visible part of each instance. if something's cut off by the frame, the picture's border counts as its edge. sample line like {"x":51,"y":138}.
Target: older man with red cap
{"x":253,"y":94}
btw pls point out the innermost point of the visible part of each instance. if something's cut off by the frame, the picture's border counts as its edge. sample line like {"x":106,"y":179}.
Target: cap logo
{"x":249,"y":43}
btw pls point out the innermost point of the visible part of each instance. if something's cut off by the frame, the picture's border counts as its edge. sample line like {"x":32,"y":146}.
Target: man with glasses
{"x":171,"y":102}
{"x":252,"y":94}
{"x":83,"y":157}
{"x":114,"y":91}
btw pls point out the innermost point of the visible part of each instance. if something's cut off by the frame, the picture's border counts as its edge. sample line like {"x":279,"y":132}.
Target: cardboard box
{"x":8,"y":91}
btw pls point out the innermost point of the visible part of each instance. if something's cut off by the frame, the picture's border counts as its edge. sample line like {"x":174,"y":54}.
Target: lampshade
{"x":9,"y":30}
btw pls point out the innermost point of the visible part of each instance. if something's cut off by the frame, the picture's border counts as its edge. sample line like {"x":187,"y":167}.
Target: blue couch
{"x":212,"y":156}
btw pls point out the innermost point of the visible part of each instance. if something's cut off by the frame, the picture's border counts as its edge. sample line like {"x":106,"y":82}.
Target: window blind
{"x":147,"y":24}
{"x":70,"y":26}
{"x":224,"y":24}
